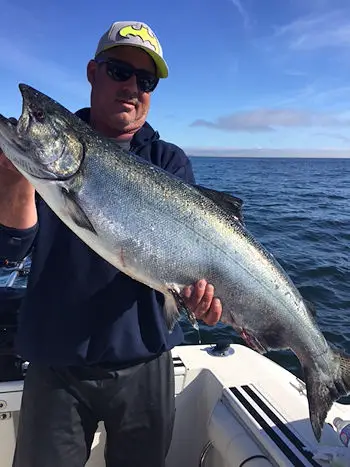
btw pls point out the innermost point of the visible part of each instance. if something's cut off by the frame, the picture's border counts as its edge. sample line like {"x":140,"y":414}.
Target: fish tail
{"x":324,"y":388}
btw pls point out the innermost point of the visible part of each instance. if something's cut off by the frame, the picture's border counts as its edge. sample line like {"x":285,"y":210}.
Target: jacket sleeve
{"x":15,"y":244}
{"x":177,"y":163}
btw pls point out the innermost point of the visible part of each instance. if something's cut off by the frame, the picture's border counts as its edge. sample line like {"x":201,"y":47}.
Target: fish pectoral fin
{"x":230,"y":203}
{"x":75,"y":212}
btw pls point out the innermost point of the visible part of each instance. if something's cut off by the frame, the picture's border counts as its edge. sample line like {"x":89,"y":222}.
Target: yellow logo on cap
{"x":142,"y":33}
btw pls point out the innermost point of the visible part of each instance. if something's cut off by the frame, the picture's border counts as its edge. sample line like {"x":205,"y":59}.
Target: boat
{"x":234,"y":408}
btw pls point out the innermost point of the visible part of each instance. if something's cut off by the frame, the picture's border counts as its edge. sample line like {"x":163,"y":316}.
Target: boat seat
{"x":234,"y":443}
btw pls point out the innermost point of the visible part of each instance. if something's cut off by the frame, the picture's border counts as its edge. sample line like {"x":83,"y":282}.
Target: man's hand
{"x":6,"y":167}
{"x":200,"y":299}
{"x":17,"y":196}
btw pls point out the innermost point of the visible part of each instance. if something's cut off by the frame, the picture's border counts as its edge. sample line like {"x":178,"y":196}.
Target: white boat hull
{"x":234,"y":410}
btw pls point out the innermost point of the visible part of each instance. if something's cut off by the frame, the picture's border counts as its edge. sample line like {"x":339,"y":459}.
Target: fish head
{"x":44,"y":143}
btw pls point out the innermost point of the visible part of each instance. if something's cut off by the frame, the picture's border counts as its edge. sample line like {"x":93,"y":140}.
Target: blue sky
{"x":253,"y":75}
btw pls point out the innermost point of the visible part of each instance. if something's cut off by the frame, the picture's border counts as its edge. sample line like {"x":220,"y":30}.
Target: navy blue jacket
{"x":78,"y":309}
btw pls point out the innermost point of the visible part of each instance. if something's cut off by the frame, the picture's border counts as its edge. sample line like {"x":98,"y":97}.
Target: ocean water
{"x":299,"y":209}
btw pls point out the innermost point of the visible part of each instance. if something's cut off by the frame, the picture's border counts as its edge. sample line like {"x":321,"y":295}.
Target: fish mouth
{"x":9,"y":134}
{"x":40,"y":156}
{"x":7,"y":121}
{"x":8,"y":130}
{"x":4,"y":119}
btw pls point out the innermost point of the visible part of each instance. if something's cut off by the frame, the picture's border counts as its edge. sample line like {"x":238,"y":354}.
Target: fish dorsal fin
{"x":230,"y":203}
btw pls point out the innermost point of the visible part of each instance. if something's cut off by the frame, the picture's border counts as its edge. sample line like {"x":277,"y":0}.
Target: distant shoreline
{"x":269,"y":154}
{"x":266,"y":157}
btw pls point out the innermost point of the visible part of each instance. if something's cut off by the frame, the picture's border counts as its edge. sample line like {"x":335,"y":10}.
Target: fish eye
{"x":39,"y":115}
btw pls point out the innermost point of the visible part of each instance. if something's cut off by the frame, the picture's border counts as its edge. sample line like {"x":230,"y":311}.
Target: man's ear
{"x":91,"y":71}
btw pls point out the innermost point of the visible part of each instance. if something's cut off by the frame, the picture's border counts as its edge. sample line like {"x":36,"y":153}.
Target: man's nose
{"x":131,"y":85}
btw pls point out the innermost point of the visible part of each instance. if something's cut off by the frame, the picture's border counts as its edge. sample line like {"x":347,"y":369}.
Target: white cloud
{"x":266,"y":120}
{"x":314,"y":95}
{"x":242,"y":11}
{"x":317,"y":31}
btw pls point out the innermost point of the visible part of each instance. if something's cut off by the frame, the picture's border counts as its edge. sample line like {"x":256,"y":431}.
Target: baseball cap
{"x":135,"y":34}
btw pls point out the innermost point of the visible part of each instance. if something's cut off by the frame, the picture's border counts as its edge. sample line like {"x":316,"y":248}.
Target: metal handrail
{"x":204,"y":454}
{"x":15,"y":273}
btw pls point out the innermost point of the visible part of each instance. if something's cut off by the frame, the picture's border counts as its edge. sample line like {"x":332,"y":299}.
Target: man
{"x":96,"y":339}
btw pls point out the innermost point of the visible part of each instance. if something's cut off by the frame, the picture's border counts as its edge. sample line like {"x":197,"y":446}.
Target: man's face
{"x":119,"y":108}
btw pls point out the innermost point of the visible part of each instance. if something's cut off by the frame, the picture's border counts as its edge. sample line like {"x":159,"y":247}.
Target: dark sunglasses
{"x":122,"y":71}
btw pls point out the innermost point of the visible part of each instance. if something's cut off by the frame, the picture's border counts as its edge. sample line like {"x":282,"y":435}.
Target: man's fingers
{"x":214,"y":314}
{"x":205,"y":303}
